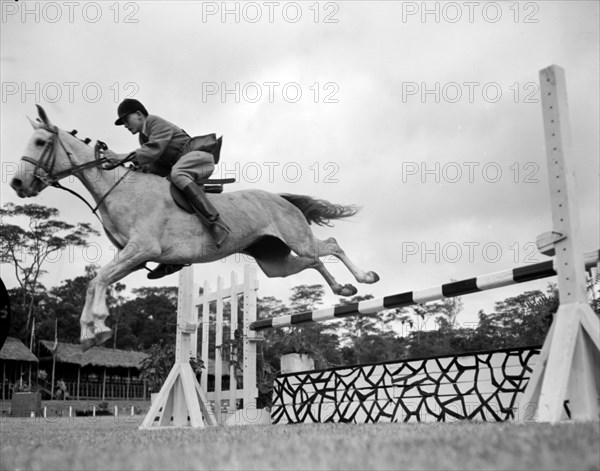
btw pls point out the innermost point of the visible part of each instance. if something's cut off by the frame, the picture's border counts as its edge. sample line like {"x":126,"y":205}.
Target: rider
{"x":167,"y":150}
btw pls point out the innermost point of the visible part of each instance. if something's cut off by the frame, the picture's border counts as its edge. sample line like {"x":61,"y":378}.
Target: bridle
{"x":47,"y":160}
{"x":50,"y":177}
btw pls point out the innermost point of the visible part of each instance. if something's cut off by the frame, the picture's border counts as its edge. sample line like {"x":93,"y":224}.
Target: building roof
{"x":100,"y":356}
{"x":96,"y":356}
{"x":14,"y":349}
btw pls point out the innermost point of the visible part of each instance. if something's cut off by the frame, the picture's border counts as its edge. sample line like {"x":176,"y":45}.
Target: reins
{"x":47,"y":161}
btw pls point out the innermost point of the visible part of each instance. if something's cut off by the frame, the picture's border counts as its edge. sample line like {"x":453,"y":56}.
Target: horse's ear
{"x":43,"y":116}
{"x":34,"y":124}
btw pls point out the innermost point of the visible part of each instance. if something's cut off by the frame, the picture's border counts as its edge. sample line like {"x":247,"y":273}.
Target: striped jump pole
{"x":448,"y":290}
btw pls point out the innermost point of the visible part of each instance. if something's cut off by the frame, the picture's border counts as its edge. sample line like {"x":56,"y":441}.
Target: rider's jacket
{"x":163,"y":143}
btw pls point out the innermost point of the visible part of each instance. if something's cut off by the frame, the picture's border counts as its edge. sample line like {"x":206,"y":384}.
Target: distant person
{"x":61,"y":390}
{"x":5,"y":315}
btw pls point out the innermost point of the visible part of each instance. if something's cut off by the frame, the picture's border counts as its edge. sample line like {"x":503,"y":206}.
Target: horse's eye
{"x":40,"y":142}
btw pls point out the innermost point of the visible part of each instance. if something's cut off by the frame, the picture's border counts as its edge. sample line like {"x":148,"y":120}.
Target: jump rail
{"x":448,"y":290}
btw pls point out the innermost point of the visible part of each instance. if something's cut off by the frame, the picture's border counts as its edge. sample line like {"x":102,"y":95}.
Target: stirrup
{"x":219,"y":223}
{"x":163,"y":270}
{"x":218,"y":237}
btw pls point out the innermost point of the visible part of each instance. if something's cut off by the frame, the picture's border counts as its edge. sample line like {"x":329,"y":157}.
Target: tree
{"x":306,"y":297}
{"x":593,"y":290}
{"x":155,"y":368}
{"x":404,"y":319}
{"x":320,"y":340}
{"x":66,"y":301}
{"x":270,"y":306}
{"x":114,"y":302}
{"x":372,"y":338}
{"x":522,"y":320}
{"x":5,"y":314}
{"x":374,"y":348}
{"x":357,"y":326}
{"x":449,"y":308}
{"x":148,"y":319}
{"x":65,"y":304}
{"x":28,"y":249}
{"x":41,"y":310}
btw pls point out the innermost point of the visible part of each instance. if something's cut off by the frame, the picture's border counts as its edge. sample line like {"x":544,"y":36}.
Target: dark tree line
{"x":147,"y":320}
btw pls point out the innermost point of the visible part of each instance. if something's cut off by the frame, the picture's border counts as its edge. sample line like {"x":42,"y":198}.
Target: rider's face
{"x":134,"y":122}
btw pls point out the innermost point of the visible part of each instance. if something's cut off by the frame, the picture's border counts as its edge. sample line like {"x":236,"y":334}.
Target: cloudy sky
{"x":426,"y":115}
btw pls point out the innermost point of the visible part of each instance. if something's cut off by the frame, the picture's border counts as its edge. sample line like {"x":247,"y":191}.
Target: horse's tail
{"x":319,"y":211}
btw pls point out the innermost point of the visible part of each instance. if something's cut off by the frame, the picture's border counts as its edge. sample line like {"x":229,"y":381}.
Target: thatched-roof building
{"x":16,"y":350}
{"x":96,"y":356}
{"x":16,"y":363}
{"x":99,"y":373}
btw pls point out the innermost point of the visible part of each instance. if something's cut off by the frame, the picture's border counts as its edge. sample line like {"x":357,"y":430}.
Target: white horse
{"x":142,"y":220}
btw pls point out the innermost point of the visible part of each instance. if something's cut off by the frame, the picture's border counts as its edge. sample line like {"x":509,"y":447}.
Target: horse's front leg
{"x":94,"y":330}
{"x":94,"y":314}
{"x":86,"y":321}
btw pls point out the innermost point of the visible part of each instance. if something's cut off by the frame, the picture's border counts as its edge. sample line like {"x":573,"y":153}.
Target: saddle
{"x":208,"y":185}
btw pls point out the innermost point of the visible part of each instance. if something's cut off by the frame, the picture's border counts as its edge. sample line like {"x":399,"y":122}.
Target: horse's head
{"x":44,"y":158}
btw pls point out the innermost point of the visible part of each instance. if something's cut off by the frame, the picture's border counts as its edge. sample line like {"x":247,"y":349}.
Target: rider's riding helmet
{"x":128,"y":106}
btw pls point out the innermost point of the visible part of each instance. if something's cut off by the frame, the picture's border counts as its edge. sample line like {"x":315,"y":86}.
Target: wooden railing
{"x":113,"y":390}
{"x":133,"y":389}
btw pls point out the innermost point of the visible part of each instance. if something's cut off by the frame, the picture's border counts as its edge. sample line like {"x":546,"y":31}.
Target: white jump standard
{"x":182,"y":401}
{"x":570,"y":359}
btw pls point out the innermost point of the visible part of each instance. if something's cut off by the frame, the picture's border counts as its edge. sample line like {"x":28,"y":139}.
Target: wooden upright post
{"x":250,"y":339}
{"x":569,"y":363}
{"x":181,"y":402}
{"x":250,"y":414}
{"x":219,"y":351}
{"x":232,"y":335}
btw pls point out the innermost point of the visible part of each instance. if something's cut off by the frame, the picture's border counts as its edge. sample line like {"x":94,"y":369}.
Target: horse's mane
{"x":73,"y":133}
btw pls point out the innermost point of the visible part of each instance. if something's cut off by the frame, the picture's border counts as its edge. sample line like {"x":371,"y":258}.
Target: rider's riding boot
{"x":163,"y":269}
{"x":217,"y":229}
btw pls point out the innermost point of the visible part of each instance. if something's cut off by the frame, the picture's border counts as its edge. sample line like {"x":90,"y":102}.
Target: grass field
{"x":103,"y":443}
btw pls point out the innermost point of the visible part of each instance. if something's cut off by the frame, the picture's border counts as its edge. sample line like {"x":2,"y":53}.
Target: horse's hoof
{"x":347,"y":290}
{"x":87,"y":331}
{"x":372,"y":277}
{"x":86,"y":344}
{"x":103,"y":336}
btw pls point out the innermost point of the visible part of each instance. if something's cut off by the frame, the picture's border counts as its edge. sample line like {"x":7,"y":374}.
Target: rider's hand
{"x":112,"y":157}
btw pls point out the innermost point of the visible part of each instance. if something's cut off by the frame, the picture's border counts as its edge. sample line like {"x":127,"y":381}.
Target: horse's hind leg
{"x":292,"y":264}
{"x":331,"y":247}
